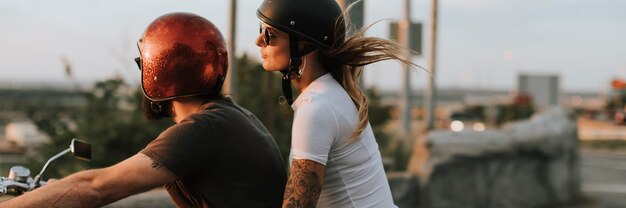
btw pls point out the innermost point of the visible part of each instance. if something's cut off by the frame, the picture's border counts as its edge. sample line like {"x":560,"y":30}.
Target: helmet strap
{"x":291,"y":73}
{"x":295,"y":61}
{"x":158,"y":109}
{"x":153,"y":110}
{"x":218,"y":84}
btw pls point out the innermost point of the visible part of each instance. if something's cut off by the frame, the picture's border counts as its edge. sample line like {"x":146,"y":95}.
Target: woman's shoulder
{"x":331,"y":99}
{"x":311,"y":101}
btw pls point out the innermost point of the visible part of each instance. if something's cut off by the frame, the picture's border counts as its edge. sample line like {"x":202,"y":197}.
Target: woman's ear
{"x":305,"y":47}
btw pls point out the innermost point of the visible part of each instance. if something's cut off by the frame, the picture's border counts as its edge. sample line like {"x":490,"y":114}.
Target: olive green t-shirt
{"x":223,"y":156}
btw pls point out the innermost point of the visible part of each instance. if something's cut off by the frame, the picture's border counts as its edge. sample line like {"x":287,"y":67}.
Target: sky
{"x":482,"y":44}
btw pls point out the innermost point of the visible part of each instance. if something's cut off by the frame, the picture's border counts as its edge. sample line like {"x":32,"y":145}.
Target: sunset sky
{"x":483,"y":44}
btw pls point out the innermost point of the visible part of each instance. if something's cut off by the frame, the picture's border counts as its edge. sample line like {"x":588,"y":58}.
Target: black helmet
{"x":319,"y":22}
{"x":312,"y":20}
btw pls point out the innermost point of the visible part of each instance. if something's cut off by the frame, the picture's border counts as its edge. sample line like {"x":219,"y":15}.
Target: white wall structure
{"x":25,"y":134}
{"x":544,"y":89}
{"x":530,"y":163}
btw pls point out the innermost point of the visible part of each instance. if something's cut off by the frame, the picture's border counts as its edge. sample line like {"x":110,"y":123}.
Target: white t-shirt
{"x":324,"y":119}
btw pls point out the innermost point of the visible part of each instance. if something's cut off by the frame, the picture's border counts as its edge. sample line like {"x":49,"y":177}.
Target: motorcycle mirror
{"x":81,"y":149}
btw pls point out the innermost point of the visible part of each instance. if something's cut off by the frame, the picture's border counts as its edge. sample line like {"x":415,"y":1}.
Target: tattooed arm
{"x":96,"y":188}
{"x":305,"y":182}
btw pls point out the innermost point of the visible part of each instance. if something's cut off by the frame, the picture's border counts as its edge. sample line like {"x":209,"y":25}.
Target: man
{"x":216,"y":155}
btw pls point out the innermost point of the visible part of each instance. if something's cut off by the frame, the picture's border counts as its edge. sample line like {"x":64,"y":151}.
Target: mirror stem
{"x":38,"y":177}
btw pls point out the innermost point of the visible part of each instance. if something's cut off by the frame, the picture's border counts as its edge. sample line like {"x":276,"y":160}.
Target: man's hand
{"x":99,"y":187}
{"x":51,"y":180}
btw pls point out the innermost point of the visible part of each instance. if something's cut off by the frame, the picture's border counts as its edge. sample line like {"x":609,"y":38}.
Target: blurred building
{"x":25,"y":134}
{"x":542,"y":89}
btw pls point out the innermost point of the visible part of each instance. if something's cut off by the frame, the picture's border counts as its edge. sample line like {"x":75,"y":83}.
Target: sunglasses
{"x":266,"y":33}
{"x":138,"y":61}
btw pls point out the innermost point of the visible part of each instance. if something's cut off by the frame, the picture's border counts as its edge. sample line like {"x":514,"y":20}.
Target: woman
{"x":335,"y":158}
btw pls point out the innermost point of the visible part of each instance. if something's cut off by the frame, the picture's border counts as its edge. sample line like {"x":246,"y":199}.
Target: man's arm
{"x":306,"y":178}
{"x":95,"y":188}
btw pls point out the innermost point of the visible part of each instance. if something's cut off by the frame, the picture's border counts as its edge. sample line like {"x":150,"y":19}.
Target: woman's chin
{"x":270,"y":68}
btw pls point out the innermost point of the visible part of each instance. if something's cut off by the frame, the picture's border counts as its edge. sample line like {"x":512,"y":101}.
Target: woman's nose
{"x":259,"y":41}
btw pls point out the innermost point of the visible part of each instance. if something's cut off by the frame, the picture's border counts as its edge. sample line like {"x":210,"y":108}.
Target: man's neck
{"x":183,"y":107}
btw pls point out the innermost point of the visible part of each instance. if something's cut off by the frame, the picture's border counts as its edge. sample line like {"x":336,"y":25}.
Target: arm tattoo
{"x":156,"y":165}
{"x":304,"y":186}
{"x":67,"y":198}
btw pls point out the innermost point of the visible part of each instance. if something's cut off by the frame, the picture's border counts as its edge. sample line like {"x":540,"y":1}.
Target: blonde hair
{"x":345,"y":61}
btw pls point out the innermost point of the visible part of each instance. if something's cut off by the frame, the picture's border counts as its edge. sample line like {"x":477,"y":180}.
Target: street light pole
{"x":405,"y":95}
{"x":431,"y":91}
{"x":230,"y":84}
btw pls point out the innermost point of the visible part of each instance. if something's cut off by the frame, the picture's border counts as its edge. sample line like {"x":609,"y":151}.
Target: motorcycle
{"x":19,"y":181}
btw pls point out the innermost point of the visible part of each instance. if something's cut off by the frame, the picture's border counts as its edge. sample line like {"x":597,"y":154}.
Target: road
{"x":603,"y":174}
{"x":589,"y":129}
{"x":604,"y":178}
{"x":603,"y":182}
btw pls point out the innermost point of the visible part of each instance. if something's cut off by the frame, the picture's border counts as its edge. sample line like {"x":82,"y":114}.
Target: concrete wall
{"x":532,"y":163}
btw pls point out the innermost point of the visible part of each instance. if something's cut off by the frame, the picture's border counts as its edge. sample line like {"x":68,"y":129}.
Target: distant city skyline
{"x":483,"y":44}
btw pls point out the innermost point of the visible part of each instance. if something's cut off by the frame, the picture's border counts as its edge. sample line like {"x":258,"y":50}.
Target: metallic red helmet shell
{"x":181,"y":54}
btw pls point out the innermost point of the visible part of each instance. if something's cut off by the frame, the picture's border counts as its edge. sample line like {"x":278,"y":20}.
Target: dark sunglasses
{"x":266,"y":33}
{"x":138,"y":61}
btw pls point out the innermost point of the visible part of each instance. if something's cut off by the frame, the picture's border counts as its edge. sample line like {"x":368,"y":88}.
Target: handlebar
{"x":19,"y":180}
{"x":9,"y":186}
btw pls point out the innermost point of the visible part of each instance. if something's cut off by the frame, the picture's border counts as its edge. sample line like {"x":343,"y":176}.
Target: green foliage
{"x":610,"y":145}
{"x":16,"y":102}
{"x":258,"y":91}
{"x":111,"y":120}
{"x":514,"y":113}
{"x":477,"y":110}
{"x":616,"y":101}
{"x":390,"y":145}
{"x":379,"y":115}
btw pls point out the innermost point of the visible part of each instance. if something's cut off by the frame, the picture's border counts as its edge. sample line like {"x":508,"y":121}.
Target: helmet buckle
{"x":291,"y":75}
{"x":156,"y":107}
{"x":295,"y":62}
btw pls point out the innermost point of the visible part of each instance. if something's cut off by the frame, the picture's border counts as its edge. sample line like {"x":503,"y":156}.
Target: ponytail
{"x":345,"y":63}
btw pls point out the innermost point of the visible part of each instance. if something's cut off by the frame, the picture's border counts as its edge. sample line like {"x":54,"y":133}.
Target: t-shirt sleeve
{"x":182,"y":147}
{"x":314,"y":131}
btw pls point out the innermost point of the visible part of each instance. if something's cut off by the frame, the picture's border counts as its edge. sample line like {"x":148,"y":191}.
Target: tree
{"x":258,"y":92}
{"x":379,"y":115}
{"x":111,"y":120}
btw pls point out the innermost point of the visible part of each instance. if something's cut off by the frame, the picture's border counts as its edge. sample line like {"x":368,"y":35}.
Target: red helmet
{"x":181,"y":54}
